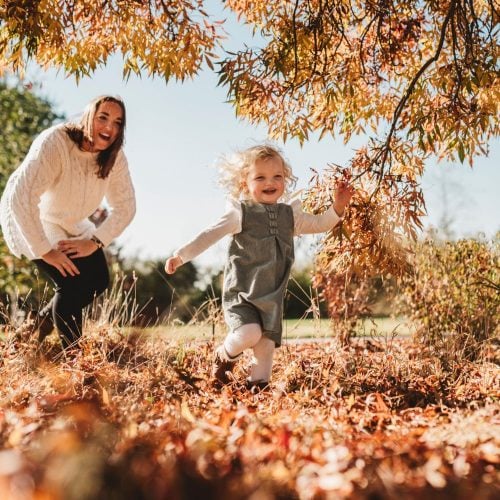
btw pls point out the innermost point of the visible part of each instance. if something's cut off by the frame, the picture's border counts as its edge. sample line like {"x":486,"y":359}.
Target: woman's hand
{"x":342,"y":194}
{"x":77,"y":248}
{"x":61,"y":262}
{"x":172,"y":264}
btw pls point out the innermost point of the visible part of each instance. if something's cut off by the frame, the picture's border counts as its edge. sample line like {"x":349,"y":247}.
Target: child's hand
{"x":172,"y":264}
{"x":343,"y":193}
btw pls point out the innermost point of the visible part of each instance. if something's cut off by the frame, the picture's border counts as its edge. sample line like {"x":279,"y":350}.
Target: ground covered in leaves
{"x":139,"y":418}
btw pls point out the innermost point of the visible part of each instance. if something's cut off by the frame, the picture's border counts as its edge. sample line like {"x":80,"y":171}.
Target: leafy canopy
{"x":428,"y":69}
{"x":166,"y":38}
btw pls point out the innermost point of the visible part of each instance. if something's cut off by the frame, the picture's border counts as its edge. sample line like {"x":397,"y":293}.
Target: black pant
{"x":73,"y":293}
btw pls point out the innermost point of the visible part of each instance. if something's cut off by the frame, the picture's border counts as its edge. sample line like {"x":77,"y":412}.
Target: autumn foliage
{"x":169,"y":39}
{"x":137,"y":417}
{"x":373,"y":239}
{"x":453,"y":295}
{"x":425,"y":70}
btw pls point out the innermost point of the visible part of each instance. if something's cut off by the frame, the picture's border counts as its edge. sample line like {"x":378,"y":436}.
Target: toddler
{"x":260,"y":254}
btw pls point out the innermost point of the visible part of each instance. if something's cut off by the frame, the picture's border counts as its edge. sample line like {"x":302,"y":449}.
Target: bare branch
{"x":413,"y":83}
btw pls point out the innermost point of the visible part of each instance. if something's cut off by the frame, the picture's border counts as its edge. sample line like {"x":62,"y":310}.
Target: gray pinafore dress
{"x":258,"y":268}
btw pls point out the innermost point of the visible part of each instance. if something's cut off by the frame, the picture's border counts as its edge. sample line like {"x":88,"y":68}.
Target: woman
{"x":45,"y":207}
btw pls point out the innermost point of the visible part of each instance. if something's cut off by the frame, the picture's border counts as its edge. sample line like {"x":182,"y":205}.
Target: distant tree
{"x":451,"y":199}
{"x":159,"y":297}
{"x":22,"y":116}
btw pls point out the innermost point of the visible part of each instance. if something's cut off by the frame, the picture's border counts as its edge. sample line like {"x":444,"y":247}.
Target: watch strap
{"x":97,"y":241}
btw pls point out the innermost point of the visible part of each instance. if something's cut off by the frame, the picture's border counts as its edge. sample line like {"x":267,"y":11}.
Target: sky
{"x":176,"y":131}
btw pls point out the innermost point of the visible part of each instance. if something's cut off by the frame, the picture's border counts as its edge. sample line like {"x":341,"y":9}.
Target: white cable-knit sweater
{"x":50,"y":196}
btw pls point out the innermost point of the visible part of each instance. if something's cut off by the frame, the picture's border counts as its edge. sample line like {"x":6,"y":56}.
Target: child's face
{"x":265,"y":181}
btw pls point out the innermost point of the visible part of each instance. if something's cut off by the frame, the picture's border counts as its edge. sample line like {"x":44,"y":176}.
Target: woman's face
{"x":107,"y":124}
{"x":265,"y":181}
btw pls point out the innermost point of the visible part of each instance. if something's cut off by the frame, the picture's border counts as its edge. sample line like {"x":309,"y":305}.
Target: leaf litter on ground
{"x":136,"y":417}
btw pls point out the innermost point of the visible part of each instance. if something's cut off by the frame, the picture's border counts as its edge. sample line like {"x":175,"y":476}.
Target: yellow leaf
{"x":186,"y":412}
{"x":105,"y":396}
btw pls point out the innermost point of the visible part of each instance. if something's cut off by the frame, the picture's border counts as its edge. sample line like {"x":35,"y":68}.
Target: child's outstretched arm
{"x":229,"y":223}
{"x":309,"y":224}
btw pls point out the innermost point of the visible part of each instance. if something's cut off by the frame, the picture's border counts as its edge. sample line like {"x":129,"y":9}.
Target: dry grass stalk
{"x":137,"y":415}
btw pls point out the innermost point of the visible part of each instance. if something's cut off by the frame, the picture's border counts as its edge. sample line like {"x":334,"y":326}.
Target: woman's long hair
{"x":82,"y":131}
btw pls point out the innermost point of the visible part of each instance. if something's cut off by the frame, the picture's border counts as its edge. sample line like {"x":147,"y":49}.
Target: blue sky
{"x":176,"y":131}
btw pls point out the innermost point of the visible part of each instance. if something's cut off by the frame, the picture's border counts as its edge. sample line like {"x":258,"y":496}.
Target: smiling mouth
{"x":269,"y":191}
{"x":105,"y":137}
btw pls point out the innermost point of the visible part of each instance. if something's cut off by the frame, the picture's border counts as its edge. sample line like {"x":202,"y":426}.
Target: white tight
{"x":250,"y":336}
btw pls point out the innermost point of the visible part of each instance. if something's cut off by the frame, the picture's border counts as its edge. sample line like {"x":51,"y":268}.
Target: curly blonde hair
{"x":233,"y":169}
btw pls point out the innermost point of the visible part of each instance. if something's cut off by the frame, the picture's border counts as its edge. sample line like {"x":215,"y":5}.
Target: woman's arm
{"x":121,"y":198}
{"x":36,"y":174}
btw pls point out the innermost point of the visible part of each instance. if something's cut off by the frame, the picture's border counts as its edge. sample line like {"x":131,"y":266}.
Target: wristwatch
{"x":97,"y":241}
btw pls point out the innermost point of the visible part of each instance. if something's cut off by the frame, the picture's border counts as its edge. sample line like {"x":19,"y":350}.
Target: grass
{"x":292,"y":329}
{"x":321,"y":328}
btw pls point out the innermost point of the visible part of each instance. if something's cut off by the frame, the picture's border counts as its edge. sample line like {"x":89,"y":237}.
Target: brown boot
{"x":223,"y":366}
{"x":256,"y":386}
{"x":43,"y":325}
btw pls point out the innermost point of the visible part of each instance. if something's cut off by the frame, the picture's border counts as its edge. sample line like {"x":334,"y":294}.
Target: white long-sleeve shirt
{"x":50,"y":196}
{"x":230,"y":223}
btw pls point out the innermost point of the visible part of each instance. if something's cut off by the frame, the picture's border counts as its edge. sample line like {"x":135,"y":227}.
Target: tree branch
{"x":402,"y":103}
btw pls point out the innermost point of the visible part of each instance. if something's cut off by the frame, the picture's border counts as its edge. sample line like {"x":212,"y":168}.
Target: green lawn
{"x":308,"y":328}
{"x":293,"y":329}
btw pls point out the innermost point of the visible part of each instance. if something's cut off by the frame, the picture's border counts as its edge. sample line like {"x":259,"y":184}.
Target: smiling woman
{"x":109,"y":120}
{"x":44,"y":211}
